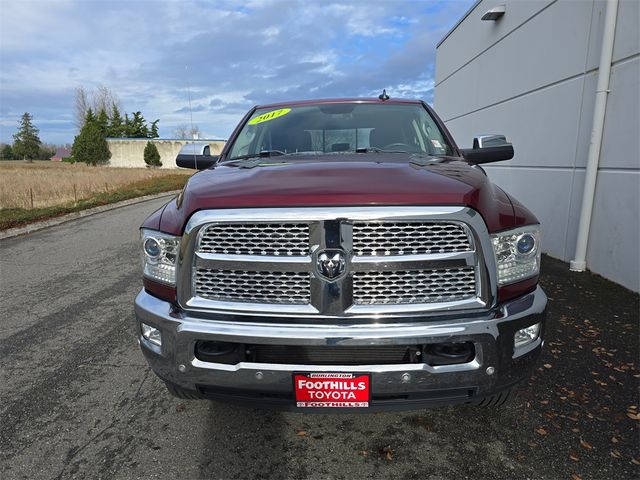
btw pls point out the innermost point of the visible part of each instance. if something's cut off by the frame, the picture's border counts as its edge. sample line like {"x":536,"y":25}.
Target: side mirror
{"x":488,"y":148}
{"x":196,"y":155}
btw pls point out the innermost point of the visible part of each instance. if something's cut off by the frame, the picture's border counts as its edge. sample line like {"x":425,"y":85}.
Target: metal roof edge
{"x":468,"y":12}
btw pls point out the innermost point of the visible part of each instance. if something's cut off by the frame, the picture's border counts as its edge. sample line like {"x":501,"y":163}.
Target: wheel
{"x":498,"y":400}
{"x":182,"y":393}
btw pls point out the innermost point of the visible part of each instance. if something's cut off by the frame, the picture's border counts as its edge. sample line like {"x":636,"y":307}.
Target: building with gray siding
{"x":532,"y":75}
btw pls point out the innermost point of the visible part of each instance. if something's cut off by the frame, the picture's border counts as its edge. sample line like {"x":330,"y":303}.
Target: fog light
{"x":527,"y":335}
{"x":151,"y":334}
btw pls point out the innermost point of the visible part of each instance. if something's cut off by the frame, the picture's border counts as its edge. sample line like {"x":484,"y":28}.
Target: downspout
{"x":579,"y":263}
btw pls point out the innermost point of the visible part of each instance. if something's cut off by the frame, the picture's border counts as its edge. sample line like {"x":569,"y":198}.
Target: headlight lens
{"x":517,"y":254}
{"x":159,"y":255}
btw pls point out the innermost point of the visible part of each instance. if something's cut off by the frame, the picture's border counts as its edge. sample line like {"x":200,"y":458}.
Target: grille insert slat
{"x":275,"y":239}
{"x":291,"y":288}
{"x":413,"y":286}
{"x":409,"y":238}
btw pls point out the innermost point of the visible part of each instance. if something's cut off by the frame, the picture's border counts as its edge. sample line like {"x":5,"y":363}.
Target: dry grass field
{"x":57,"y":183}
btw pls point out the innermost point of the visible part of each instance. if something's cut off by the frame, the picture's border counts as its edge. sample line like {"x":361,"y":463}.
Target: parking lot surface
{"x":78,"y":400}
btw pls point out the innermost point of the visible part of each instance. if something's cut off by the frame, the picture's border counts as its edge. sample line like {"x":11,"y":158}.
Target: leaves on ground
{"x":585,"y":444}
{"x":386,"y":452}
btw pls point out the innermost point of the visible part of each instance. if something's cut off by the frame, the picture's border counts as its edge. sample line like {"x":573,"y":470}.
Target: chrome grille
{"x":409,"y":238}
{"x":398,"y":260}
{"x":279,"y":239}
{"x":413,"y":286}
{"x":291,"y":288}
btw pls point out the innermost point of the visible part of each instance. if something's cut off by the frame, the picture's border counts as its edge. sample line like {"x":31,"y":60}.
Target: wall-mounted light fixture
{"x":495,"y":13}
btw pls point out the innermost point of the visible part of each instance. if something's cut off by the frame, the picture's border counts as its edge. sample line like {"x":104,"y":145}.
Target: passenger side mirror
{"x":196,"y":155}
{"x":488,"y":148}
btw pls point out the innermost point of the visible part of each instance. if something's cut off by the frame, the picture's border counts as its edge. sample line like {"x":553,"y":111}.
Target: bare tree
{"x":184,"y":131}
{"x":102,"y":98}
{"x":81,"y":107}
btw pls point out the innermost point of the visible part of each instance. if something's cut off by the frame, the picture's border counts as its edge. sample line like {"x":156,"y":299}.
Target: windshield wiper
{"x":378,"y":150}
{"x":263,"y":153}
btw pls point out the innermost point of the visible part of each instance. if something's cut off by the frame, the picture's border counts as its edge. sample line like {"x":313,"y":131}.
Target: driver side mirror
{"x":196,"y":155}
{"x":488,"y":148}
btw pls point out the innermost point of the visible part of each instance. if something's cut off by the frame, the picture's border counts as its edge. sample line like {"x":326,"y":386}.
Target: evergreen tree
{"x":151,"y":155}
{"x":89,"y":117}
{"x":26,"y":143}
{"x":116,"y":125}
{"x":103,"y":122}
{"x":128,"y":126}
{"x":153,"y":133}
{"x":138,"y":126}
{"x":6,"y":153}
{"x":90,"y":145}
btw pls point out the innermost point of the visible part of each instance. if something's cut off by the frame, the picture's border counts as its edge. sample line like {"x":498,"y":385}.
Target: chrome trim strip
{"x":311,"y":214}
{"x":246,"y":307}
{"x":413,"y":262}
{"x":221,"y":261}
{"x":406,"y":367}
{"x":378,"y":309}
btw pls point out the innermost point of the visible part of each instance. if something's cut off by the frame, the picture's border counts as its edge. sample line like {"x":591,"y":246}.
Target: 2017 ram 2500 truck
{"x":342,"y":254}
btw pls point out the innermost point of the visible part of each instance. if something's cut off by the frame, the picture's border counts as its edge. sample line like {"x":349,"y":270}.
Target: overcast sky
{"x":233,"y":54}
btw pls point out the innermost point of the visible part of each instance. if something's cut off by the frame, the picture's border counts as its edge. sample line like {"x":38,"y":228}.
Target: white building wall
{"x":532,"y":76}
{"x":129,"y":152}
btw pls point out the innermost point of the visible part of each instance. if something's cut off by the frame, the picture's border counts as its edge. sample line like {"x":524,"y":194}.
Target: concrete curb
{"x":34,"y":227}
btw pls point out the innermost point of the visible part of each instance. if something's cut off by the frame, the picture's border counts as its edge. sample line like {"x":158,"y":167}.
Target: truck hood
{"x":341,"y":180}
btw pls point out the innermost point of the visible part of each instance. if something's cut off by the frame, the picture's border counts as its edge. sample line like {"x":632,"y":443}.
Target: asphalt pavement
{"x":77,"y":399}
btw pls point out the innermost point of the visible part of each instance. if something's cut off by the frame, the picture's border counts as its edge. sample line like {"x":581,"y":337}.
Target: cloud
{"x":227,"y":56}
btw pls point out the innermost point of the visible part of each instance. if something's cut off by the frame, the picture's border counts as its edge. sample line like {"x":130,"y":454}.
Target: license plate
{"x":332,"y":390}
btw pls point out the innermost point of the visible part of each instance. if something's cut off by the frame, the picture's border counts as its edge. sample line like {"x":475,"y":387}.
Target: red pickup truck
{"x":342,"y":254}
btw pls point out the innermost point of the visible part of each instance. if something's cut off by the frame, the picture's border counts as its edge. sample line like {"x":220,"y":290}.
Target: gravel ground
{"x":78,"y":401}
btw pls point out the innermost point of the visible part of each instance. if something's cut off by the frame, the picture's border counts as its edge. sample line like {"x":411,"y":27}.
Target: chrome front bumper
{"x":399,"y":386}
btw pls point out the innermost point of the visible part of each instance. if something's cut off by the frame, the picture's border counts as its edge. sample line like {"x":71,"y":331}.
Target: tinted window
{"x":342,"y":127}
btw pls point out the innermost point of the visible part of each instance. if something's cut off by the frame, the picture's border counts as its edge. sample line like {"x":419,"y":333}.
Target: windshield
{"x":340,"y":128}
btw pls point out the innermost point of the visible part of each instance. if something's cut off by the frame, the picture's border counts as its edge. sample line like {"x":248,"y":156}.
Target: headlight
{"x":517,"y":254}
{"x":159,"y":255}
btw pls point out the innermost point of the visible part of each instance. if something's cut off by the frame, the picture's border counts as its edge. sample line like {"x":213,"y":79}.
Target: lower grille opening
{"x":434,"y":354}
{"x":219,"y":352}
{"x":449,"y":353}
{"x":431,"y":395}
{"x":221,"y":392}
{"x":320,"y":355}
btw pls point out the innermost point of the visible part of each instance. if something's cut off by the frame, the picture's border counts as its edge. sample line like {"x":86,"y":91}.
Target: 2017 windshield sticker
{"x":265,"y":117}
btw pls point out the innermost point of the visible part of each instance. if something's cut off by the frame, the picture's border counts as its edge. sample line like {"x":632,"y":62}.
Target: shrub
{"x":152,"y":156}
{"x":90,"y":146}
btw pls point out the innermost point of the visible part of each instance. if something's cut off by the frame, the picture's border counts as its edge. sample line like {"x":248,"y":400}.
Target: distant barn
{"x":61,"y":153}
